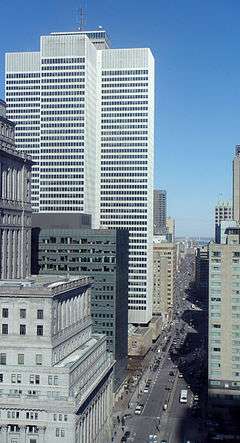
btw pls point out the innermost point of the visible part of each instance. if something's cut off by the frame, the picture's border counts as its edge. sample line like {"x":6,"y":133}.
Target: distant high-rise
{"x":159,"y":211}
{"x":223,"y":211}
{"x":85,"y":113}
{"x":236,"y":184}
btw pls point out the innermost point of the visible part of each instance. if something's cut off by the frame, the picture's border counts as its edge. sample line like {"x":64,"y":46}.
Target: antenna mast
{"x":82,"y":17}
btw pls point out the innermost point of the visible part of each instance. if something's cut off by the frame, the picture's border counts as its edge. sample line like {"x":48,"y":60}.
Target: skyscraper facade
{"x":224,"y":316}
{"x":85,"y":113}
{"x":223,"y":211}
{"x":236,"y":184}
{"x":159,"y":211}
{"x":126,"y":174}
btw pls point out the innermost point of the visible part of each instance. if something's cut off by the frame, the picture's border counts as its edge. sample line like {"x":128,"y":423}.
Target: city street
{"x":162,"y":413}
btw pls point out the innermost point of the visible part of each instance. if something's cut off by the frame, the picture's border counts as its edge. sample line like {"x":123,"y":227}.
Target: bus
{"x":183,"y":396}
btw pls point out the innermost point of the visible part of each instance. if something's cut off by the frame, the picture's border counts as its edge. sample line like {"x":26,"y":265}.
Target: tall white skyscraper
{"x":126,"y":174}
{"x":85,"y":113}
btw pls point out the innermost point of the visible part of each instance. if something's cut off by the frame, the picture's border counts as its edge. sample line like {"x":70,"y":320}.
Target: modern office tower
{"x":224,"y":319}
{"x":170,"y":227}
{"x":66,"y":244}
{"x":92,"y":138}
{"x":160,"y":285}
{"x":56,"y":375}
{"x":168,"y":250}
{"x":236,"y":184}
{"x":202,"y":270}
{"x":223,"y":211}
{"x":126,"y":176}
{"x":159,"y":211}
{"x":15,"y":207}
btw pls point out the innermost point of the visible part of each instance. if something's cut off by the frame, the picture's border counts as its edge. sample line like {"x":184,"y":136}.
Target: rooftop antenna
{"x":82,"y":13}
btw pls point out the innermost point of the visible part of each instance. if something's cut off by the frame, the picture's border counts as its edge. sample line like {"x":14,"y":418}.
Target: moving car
{"x":138,"y":409}
{"x":165,"y":406}
{"x":183,"y":396}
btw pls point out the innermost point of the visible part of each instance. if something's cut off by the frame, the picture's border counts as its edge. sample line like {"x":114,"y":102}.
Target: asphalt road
{"x":176,"y":424}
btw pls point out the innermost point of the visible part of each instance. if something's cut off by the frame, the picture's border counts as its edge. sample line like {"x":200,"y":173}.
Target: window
{"x":57,"y":432}
{"x":5,"y":312}
{"x":3,"y":359}
{"x":21,"y":359}
{"x":13,"y":378}
{"x":39,"y":330}
{"x":39,"y":359}
{"x":56,"y":380}
{"x":22,"y":329}
{"x":5,"y":328}
{"x":50,"y":380}
{"x":31,"y":379}
{"x":40,"y":314}
{"x":62,"y":433}
{"x":37,"y":379}
{"x":1,"y":378}
{"x":19,"y":378}
{"x":34,"y":379}
{"x":22,"y":313}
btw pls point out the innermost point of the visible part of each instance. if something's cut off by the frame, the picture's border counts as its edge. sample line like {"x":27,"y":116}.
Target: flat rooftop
{"x":42,"y":285}
{"x":71,"y":359}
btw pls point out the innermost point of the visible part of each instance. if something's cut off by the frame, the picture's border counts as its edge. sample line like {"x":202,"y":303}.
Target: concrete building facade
{"x":168,"y":251}
{"x":159,"y":211}
{"x":223,"y":211}
{"x":224,"y":319}
{"x":160,"y":284}
{"x":56,"y":375}
{"x":202,"y":269}
{"x":100,"y":254}
{"x":85,"y":113}
{"x":15,"y":206}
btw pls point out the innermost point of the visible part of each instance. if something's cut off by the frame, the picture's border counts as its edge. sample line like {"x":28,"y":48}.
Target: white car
{"x":146,"y":389}
{"x":138,"y":410}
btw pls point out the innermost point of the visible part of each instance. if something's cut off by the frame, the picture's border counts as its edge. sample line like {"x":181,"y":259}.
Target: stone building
{"x":15,"y":209}
{"x":169,"y":251}
{"x":55,"y":374}
{"x":160,"y":285}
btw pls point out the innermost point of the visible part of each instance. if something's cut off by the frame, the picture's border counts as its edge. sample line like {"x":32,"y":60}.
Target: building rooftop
{"x":42,"y":285}
{"x":78,"y":353}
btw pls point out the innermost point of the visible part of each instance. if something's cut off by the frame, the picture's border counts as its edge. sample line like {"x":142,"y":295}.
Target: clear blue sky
{"x":196,"y":44}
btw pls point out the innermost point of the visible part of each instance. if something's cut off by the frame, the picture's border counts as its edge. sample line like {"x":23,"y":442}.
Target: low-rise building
{"x":55,"y":373}
{"x":139,"y":340}
{"x":15,"y":208}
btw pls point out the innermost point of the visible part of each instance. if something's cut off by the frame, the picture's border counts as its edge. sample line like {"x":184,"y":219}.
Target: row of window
{"x":48,"y":61}
{"x":22,"y":329}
